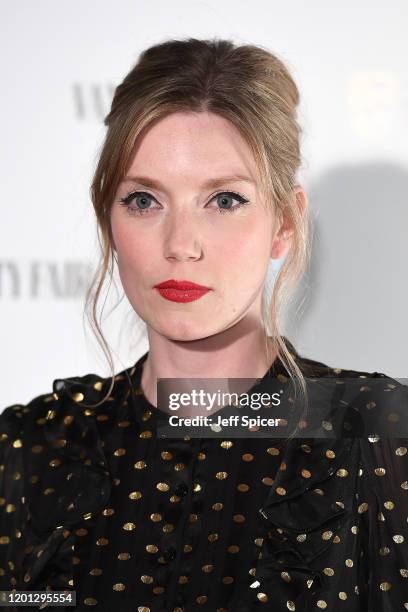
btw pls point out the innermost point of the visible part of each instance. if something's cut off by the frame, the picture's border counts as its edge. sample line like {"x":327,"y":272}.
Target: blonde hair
{"x":249,"y":86}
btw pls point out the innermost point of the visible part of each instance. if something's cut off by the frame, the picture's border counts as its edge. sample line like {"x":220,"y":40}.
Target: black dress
{"x":92,"y":501}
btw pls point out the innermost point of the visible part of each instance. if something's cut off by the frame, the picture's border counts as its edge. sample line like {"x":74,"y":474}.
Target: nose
{"x":182,"y":242}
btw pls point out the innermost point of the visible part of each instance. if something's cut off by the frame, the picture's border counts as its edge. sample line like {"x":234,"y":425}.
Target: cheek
{"x":249,"y":250}
{"x":242,"y":266}
{"x":132,"y":252}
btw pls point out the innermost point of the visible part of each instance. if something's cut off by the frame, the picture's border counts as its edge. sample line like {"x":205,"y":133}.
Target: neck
{"x":224,"y":355}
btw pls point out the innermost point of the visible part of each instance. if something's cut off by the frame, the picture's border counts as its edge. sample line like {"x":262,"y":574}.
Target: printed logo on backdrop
{"x":38,"y":279}
{"x":92,"y":101}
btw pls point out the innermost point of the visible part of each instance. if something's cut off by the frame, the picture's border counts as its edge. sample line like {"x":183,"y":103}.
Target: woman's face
{"x":186,"y":168}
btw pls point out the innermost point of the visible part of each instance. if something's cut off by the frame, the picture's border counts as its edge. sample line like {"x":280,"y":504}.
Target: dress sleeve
{"x":382,"y":503}
{"x":12,"y":503}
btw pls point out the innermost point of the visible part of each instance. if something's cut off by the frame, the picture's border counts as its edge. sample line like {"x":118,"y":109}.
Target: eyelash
{"x":127,"y":199}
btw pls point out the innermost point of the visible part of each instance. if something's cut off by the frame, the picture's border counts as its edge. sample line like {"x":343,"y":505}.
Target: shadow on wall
{"x":353,"y":299}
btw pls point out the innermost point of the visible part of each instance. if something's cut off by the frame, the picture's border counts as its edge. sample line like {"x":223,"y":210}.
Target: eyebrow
{"x":209,"y":184}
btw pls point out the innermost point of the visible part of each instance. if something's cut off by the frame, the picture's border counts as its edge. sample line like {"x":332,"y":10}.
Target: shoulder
{"x":15,"y":418}
{"x":89,"y":387}
{"x":314,"y":367}
{"x":374,"y":402}
{"x":69,"y":397}
{"x":54,"y":443}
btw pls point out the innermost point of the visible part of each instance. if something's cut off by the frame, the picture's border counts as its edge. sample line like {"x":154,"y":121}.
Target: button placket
{"x":171,"y":544}
{"x":191,"y":534}
{"x":184,"y":489}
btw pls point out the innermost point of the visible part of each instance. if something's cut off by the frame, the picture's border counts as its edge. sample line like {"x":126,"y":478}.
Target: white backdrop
{"x":60,"y":62}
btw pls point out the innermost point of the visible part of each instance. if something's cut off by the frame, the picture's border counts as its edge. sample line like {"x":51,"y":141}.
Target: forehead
{"x":191,"y":144}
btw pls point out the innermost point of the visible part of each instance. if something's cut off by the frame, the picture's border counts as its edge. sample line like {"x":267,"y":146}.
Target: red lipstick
{"x":181,"y":291}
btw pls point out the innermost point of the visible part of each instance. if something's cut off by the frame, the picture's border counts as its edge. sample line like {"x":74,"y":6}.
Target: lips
{"x":181,"y":291}
{"x":181,"y":285}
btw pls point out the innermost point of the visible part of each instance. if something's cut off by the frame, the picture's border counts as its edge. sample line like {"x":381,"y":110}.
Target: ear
{"x":282,"y":241}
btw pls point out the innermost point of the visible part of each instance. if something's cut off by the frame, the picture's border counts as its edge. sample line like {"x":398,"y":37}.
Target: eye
{"x":140,"y":196}
{"x":224,"y":197}
{"x":142,"y":199}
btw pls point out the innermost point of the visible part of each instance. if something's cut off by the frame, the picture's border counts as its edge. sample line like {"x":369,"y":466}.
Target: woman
{"x":94,"y":501}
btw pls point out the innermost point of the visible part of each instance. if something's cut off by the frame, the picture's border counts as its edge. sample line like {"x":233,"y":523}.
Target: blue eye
{"x":142,"y":198}
{"x":222,"y":199}
{"x":142,"y":195}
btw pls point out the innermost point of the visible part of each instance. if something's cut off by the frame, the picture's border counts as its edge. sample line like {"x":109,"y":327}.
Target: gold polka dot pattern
{"x":135,"y":522}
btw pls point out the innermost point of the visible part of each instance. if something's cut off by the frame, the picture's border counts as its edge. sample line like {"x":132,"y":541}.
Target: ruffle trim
{"x":302,"y":520}
{"x":67,"y":481}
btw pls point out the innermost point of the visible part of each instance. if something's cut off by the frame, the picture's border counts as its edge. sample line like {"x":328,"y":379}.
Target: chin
{"x":183,"y":329}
